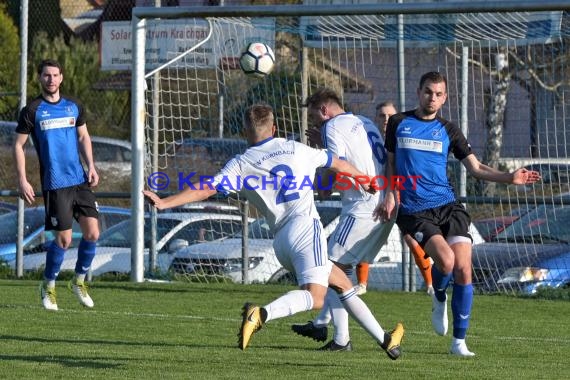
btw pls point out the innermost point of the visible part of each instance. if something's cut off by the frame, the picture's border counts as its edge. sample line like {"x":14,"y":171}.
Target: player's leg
{"x":59,"y":218}
{"x":86,"y":212}
{"x":309,"y":297}
{"x":299,"y":251}
{"x":460,"y":241}
{"x":54,"y":258}
{"x":343,"y":237}
{"x":442,"y":272}
{"x":358,"y":310}
{"x":422,"y":261}
{"x":339,"y":315}
{"x":424,"y":227}
{"x":462,"y":296}
{"x":362,"y":269}
{"x":317,"y":328}
{"x":359,"y":243}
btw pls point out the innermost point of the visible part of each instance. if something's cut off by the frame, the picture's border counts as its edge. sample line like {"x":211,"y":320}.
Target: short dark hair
{"x":434,"y":77}
{"x":322,"y":96}
{"x":259,"y":115}
{"x":387,"y":103}
{"x":49,"y":63}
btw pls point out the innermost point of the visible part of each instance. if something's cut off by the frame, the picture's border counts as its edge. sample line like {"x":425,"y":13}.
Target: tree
{"x":535,"y":68}
{"x":9,"y":66}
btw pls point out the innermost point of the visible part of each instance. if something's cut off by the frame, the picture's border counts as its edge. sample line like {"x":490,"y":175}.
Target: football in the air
{"x":257,"y":59}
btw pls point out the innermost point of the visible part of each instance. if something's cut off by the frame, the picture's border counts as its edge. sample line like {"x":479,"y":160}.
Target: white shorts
{"x":301,"y":247}
{"x":355,"y":240}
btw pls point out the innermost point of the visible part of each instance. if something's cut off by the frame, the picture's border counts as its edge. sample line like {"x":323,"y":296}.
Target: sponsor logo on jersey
{"x":62,"y":122}
{"x":420,"y":144}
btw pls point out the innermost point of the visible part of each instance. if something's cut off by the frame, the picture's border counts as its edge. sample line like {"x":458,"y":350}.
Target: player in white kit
{"x":358,"y":237}
{"x":276,"y":176}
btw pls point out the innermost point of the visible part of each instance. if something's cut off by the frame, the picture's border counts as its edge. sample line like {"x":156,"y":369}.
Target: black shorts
{"x":63,"y":205}
{"x":449,"y":220}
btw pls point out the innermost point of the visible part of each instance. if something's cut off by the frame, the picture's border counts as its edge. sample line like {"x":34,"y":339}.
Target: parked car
{"x":490,"y":227}
{"x":174,"y":231}
{"x":555,"y":172}
{"x":223,"y":259}
{"x":6,"y":207}
{"x":35,"y":236}
{"x":532,"y":252}
{"x":112,"y":155}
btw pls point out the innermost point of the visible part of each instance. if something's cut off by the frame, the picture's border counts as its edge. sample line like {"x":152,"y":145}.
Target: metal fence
{"x":506,"y":64}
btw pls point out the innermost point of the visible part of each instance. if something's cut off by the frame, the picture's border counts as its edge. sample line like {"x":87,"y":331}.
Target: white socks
{"x":288,"y":304}
{"x":362,"y":314}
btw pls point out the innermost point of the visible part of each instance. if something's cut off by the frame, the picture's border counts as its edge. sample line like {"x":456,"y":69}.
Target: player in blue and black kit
{"x":56,"y":124}
{"x":418,"y":143}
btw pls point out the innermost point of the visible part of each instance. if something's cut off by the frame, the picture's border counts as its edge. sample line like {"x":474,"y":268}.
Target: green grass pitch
{"x":189,"y":331}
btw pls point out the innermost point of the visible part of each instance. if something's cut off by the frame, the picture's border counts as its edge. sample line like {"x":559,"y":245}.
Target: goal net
{"x":508,"y":89}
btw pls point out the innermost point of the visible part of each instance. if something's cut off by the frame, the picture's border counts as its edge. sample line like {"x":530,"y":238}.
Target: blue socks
{"x":461,"y":303}
{"x":440,"y":283}
{"x":54,"y":258}
{"x":85,"y":255}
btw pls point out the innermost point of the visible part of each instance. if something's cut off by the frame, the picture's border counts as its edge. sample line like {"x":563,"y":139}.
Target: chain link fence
{"x":518,"y":90}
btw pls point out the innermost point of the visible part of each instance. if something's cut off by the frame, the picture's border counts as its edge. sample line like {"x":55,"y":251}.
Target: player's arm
{"x":481,"y":171}
{"x":387,"y":206}
{"x":199,"y":191}
{"x":344,"y":168}
{"x":187,"y":195}
{"x":24,"y":188}
{"x":86,"y":150}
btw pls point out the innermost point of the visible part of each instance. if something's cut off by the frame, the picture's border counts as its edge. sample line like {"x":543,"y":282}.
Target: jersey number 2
{"x":285,"y":194}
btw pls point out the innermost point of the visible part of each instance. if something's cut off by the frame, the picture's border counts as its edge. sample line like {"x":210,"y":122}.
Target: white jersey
{"x":357,"y":140}
{"x":276,"y":176}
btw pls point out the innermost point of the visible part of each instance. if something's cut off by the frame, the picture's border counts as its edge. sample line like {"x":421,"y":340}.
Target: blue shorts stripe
{"x":317,"y":248}
{"x":345,"y":230}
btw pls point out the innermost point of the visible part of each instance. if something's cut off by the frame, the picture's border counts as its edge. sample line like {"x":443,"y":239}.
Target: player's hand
{"x":314,"y":137}
{"x":524,"y":176}
{"x":153,"y":199}
{"x":373,"y":186}
{"x":385,"y":209}
{"x":92,"y":177}
{"x":26,"y":192}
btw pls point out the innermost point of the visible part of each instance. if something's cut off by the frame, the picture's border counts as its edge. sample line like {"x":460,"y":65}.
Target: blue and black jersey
{"x":421,"y":148}
{"x":53,"y":129}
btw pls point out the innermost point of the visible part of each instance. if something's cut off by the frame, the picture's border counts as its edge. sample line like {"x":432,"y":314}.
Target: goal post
{"x":505,"y":62}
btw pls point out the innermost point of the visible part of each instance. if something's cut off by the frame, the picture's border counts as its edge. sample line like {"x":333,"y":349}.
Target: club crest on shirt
{"x":54,"y":221}
{"x":436,"y":134}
